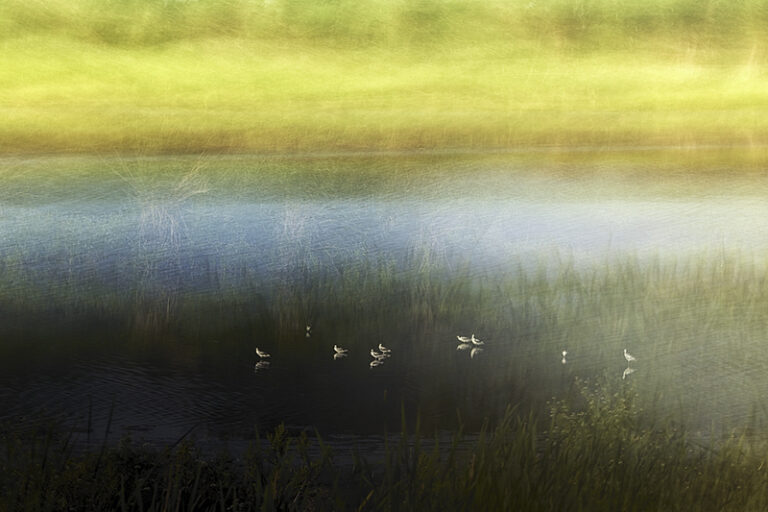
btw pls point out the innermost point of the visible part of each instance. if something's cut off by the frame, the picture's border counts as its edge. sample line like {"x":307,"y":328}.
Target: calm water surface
{"x":98,"y":235}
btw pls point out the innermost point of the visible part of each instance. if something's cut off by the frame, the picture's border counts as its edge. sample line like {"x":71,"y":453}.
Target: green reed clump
{"x":601,"y":454}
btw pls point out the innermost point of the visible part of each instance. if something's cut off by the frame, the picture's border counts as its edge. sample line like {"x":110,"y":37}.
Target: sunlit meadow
{"x":294,"y":75}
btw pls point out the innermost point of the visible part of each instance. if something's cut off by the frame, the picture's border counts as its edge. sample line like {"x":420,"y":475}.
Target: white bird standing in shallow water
{"x":463,"y":339}
{"x":476,"y":341}
{"x":629,"y":357}
{"x":384,"y":350}
{"x":261,"y":353}
{"x":377,"y":355}
{"x":565,"y":353}
{"x":309,"y":331}
{"x":339,"y":353}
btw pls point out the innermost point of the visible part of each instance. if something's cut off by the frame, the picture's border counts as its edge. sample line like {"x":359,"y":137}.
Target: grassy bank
{"x":289,"y":75}
{"x":601,"y":454}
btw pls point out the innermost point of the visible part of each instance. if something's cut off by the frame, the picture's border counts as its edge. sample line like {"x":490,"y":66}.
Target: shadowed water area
{"x":135,"y":291}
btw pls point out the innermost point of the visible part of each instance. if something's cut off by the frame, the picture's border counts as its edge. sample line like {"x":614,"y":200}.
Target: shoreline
{"x":543,"y":149}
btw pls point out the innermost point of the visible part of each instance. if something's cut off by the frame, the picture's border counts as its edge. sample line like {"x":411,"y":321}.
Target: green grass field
{"x":298,"y":76}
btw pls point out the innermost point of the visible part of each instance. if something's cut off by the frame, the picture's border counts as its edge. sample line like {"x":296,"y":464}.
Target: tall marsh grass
{"x":600,"y":454}
{"x":697,"y":325}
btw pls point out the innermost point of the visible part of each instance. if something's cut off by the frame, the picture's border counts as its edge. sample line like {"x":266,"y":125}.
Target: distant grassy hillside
{"x":301,"y":75}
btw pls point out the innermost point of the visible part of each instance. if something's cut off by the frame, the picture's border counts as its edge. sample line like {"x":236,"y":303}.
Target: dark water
{"x":155,"y":230}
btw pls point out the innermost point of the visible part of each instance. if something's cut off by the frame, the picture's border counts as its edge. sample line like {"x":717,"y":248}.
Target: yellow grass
{"x":63,"y":93}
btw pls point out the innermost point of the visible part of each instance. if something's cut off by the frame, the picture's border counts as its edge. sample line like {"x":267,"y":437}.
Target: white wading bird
{"x":309,"y":331}
{"x":261,"y":353}
{"x":463,"y":339}
{"x":476,"y":341}
{"x":629,"y":357}
{"x":377,"y":355}
{"x":565,"y":353}
{"x":340,"y":350}
{"x":384,"y":350}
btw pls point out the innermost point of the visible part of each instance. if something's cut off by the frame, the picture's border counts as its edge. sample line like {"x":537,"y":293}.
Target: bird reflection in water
{"x":261,"y":365}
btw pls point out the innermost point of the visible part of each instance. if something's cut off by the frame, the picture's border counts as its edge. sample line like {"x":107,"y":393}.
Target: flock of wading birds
{"x":471,"y":343}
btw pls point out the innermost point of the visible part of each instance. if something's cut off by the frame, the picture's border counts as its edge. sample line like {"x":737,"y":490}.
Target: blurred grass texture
{"x":301,"y":76}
